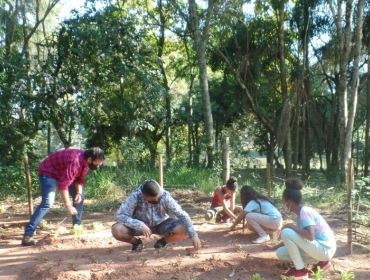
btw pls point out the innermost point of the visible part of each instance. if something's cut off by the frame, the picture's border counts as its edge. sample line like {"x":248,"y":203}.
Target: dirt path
{"x":96,"y":255}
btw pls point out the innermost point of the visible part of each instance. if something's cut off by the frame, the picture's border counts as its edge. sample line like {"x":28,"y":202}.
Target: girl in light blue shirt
{"x":260,"y":213}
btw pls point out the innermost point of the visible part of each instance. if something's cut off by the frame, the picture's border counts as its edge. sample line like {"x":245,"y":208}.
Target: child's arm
{"x":237,"y":220}
{"x":307,"y":233}
{"x":225,"y":206}
{"x":232,"y":202}
{"x":273,"y":247}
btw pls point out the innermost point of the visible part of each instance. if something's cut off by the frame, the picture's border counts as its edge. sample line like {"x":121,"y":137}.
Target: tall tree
{"x":348,"y":41}
{"x":200,"y":33}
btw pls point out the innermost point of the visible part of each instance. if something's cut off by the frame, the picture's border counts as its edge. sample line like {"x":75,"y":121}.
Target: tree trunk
{"x":297,"y":140}
{"x":153,"y":152}
{"x":225,"y":160}
{"x":161,"y":44}
{"x":306,"y":154}
{"x":284,"y":87}
{"x":190,"y":127}
{"x":196,"y":145}
{"x":200,"y":36}
{"x":49,"y":138}
{"x":367,"y":129}
{"x":354,"y":85}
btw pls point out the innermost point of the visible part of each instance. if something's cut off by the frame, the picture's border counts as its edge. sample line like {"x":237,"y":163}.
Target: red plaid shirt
{"x":67,"y":166}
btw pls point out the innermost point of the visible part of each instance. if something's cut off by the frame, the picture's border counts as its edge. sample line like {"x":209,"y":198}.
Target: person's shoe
{"x":28,"y":241}
{"x":261,"y":239}
{"x":161,"y":243}
{"x":323,"y":266}
{"x":296,"y":274}
{"x":137,"y":246}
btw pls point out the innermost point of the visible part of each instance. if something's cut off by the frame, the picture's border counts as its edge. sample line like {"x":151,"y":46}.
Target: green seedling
{"x":256,"y":276}
{"x":318,"y":275}
{"x":347,"y":275}
{"x":77,"y":230}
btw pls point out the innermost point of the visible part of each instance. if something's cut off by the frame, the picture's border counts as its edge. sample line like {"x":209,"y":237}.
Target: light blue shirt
{"x":266,"y":208}
{"x":323,"y":233}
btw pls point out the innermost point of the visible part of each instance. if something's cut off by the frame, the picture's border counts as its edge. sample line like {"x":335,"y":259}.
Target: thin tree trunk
{"x":161,"y":44}
{"x":297,"y":140}
{"x":190,"y":126}
{"x":284,"y":87}
{"x":200,"y":36}
{"x":307,"y":92}
{"x":355,"y":83}
{"x":367,"y":129}
{"x":49,"y":138}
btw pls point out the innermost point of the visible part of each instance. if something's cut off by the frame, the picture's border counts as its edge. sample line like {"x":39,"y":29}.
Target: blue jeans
{"x":48,"y":187}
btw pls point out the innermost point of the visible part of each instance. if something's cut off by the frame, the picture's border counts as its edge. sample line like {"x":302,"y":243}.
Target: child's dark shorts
{"x":164,"y":229}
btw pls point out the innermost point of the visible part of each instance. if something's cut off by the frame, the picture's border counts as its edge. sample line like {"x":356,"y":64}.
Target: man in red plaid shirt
{"x":66,"y":170}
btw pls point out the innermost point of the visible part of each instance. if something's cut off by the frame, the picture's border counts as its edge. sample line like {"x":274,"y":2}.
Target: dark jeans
{"x":77,"y":219}
{"x":48,"y":187}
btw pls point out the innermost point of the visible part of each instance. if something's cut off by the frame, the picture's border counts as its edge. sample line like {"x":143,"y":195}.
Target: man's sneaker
{"x":261,"y":239}
{"x":296,"y":274}
{"x":137,"y":246}
{"x":28,"y":241}
{"x":161,"y":243}
{"x":322,"y":265}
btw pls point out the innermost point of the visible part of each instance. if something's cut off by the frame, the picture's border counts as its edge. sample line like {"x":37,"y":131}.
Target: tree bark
{"x":355,"y":84}
{"x":161,"y":44}
{"x":284,"y":87}
{"x":200,"y":36}
{"x":306,"y":147}
{"x":367,"y":129}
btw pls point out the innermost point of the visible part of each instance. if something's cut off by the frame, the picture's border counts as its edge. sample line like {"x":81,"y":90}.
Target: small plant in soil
{"x":318,"y":275}
{"x":77,"y":230}
{"x":72,"y":266}
{"x":93,"y":259}
{"x":143,"y":261}
{"x":347,"y":275}
{"x":256,"y":276}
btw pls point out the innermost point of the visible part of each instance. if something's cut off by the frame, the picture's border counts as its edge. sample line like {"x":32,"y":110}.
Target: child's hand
{"x":232,"y":227}
{"x":268,"y":247}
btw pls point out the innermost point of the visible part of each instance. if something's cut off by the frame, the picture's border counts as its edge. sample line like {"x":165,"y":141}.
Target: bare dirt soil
{"x":95,"y":254}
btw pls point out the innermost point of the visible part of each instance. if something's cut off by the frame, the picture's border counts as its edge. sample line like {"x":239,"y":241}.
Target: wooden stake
{"x":225,"y":160}
{"x":160,"y":170}
{"x":350,"y":182}
{"x":27,"y":174}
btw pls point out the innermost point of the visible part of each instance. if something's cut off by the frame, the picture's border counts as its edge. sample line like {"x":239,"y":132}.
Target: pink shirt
{"x":67,"y":166}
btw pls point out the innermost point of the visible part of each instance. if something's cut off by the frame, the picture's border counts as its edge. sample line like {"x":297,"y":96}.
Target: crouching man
{"x":147,"y":211}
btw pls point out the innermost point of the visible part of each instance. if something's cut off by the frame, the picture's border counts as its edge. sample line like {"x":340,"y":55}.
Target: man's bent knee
{"x":119,"y":231}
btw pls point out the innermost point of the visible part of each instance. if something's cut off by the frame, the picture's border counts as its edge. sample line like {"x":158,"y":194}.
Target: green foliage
{"x":347,"y":275}
{"x":103,"y":183}
{"x":113,"y":182}
{"x":77,"y":230}
{"x":256,"y":276}
{"x":318,"y":274}
{"x":12,"y":182}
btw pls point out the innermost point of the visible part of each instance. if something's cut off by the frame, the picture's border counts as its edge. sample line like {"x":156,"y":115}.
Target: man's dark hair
{"x":150,"y":188}
{"x":94,"y":153}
